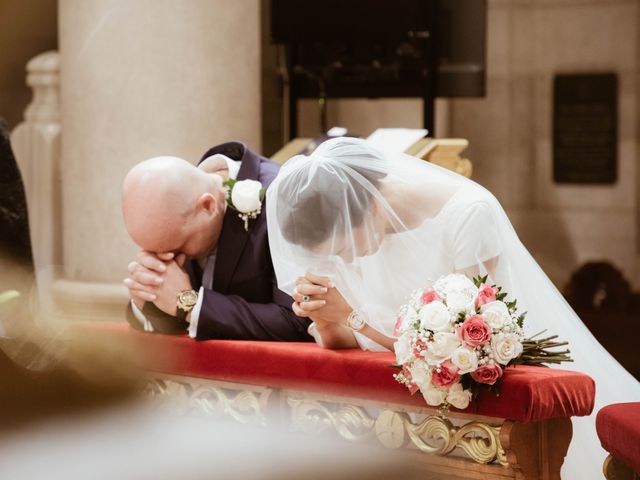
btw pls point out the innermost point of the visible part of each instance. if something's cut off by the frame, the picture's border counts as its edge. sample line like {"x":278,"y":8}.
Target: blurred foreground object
{"x":132,"y":443}
{"x":42,"y":374}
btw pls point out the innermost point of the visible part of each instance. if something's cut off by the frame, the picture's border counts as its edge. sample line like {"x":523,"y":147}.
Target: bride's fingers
{"x":302,"y":281}
{"x":295,"y":306}
{"x":312,"y":305}
{"x":310,"y":289}
{"x":307,"y":299}
{"x":319,"y":280}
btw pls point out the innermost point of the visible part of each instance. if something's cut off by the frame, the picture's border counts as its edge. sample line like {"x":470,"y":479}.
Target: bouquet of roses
{"x":460,"y":335}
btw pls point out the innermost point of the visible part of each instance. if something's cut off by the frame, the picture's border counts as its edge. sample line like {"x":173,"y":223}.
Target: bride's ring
{"x":306,"y":298}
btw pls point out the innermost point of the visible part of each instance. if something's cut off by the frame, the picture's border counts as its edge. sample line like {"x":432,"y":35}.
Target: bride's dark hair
{"x":323,"y":196}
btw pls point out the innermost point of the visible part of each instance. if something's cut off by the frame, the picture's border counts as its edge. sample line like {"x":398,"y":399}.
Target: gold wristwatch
{"x":355,"y":321}
{"x":186,"y":300}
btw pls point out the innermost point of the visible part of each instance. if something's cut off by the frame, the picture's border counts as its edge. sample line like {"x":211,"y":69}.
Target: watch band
{"x":355,"y":321}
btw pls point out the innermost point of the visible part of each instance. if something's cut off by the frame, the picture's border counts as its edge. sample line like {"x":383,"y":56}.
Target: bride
{"x":353,"y":232}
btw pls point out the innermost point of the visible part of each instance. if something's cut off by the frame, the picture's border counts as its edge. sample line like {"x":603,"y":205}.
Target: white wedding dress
{"x":383,"y":225}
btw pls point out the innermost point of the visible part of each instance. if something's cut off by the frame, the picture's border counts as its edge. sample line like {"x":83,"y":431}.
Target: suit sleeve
{"x":161,"y":322}
{"x":231,"y":317}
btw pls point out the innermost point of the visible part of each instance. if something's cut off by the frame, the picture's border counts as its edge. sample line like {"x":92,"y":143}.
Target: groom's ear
{"x":208,"y":203}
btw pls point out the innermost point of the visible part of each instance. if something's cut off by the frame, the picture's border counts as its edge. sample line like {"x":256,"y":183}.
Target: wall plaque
{"x":585,"y":128}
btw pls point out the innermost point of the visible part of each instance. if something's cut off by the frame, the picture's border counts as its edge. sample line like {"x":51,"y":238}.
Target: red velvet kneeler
{"x":527,"y":394}
{"x":618,"y":427}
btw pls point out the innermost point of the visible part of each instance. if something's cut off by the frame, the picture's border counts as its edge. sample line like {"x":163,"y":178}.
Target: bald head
{"x":162,"y":196}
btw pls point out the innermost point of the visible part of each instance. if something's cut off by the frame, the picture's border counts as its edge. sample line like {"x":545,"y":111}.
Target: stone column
{"x":36,"y":145}
{"x":140,"y":79}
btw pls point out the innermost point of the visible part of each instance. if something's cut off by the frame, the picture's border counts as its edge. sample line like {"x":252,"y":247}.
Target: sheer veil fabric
{"x":382,"y":225}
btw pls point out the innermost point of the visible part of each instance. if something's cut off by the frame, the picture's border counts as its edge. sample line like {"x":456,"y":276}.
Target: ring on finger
{"x":306,"y":298}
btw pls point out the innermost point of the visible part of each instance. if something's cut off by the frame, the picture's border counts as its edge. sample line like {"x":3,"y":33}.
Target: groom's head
{"x":169,"y":205}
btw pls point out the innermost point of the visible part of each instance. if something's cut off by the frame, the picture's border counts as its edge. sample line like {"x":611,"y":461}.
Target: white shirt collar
{"x":234,"y":167}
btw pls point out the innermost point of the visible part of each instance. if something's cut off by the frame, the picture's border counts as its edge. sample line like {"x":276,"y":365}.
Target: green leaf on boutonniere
{"x":228,"y":184}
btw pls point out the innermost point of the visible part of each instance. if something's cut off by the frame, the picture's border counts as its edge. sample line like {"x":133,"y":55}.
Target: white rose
{"x":403,"y":349}
{"x":465,"y":359}
{"x":441,"y":347}
{"x":420,"y":374}
{"x":496,"y":314}
{"x":459,"y":397}
{"x":458,"y":291}
{"x":461,"y":302}
{"x":245,"y":196}
{"x":435,"y":316}
{"x":409,"y":316}
{"x":433,"y":395}
{"x":506,"y":347}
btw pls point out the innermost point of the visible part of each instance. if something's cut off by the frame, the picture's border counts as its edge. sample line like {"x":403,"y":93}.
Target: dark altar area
{"x":605,"y":302}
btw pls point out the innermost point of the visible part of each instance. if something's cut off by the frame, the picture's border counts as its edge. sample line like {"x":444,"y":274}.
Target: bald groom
{"x":199,"y":271}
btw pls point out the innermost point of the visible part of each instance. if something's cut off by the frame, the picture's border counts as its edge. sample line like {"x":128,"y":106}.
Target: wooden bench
{"x":522,"y":434}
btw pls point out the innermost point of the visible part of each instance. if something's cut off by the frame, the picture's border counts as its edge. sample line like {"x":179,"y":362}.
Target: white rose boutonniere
{"x":245,"y":197}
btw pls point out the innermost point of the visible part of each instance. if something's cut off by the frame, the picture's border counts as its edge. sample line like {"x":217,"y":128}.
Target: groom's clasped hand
{"x":155,"y":278}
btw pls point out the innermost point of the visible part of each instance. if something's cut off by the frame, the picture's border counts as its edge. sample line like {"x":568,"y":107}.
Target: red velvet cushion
{"x":527,"y":393}
{"x":618,"y":427}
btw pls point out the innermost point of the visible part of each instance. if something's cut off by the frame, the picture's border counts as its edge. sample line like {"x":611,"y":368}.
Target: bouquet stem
{"x":539,"y":351}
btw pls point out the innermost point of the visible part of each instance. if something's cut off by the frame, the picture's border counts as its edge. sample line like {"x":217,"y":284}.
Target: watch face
{"x":188,"y":297}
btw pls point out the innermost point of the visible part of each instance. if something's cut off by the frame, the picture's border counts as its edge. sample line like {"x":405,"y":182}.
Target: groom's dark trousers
{"x":245,"y":302}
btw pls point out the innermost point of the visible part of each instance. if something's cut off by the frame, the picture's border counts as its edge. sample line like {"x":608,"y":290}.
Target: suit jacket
{"x":245,"y":302}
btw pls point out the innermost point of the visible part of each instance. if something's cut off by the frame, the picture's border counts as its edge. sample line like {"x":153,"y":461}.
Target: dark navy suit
{"x":245,"y":302}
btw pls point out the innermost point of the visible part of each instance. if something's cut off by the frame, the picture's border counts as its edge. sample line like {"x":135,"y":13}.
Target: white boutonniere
{"x":245,"y":197}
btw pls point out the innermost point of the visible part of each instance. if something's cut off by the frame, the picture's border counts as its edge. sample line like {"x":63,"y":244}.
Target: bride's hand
{"x":317,"y":298}
{"x":307,"y":297}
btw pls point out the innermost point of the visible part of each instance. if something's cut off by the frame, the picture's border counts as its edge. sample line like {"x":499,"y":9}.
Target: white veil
{"x":383,"y":225}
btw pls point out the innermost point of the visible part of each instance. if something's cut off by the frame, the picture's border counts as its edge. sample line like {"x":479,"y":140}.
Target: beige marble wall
{"x":509,"y":130}
{"x":141,"y":79}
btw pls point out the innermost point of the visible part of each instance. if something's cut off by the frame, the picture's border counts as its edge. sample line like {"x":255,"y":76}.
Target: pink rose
{"x":487,"y":374}
{"x":430,"y":295}
{"x":474,"y":331}
{"x":419,"y":346}
{"x":486,"y":294}
{"x":397,"y":328}
{"x":447,"y":376}
{"x":413,"y":388}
